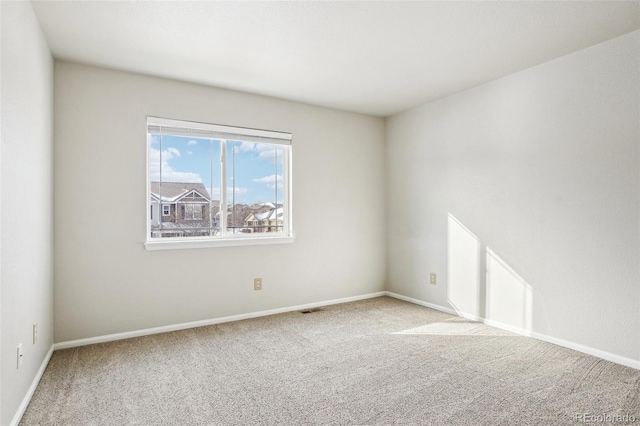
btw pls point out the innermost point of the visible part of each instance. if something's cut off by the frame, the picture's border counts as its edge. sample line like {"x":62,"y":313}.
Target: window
{"x":192,"y":212}
{"x":229,"y":185}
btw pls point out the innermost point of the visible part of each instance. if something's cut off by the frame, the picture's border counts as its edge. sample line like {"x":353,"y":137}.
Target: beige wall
{"x":105,"y":280}
{"x":540,"y":172}
{"x":26,"y":278}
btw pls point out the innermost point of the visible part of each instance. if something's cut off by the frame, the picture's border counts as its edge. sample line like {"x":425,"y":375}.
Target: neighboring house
{"x":180,"y":209}
{"x":270,"y":220}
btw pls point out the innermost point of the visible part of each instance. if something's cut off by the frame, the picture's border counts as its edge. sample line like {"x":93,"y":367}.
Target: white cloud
{"x":215,"y":192}
{"x":271,"y":181}
{"x":266,"y":152}
{"x":168,"y":173}
{"x":238,"y":190}
{"x":247,"y":147}
{"x":174,"y":151}
{"x":268,"y":179}
{"x":270,"y":155}
{"x":192,"y":142}
{"x":253,"y":147}
{"x":190,"y":152}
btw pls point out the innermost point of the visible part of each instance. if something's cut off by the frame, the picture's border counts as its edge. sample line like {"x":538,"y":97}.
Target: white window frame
{"x":166,"y":214}
{"x":227,"y":239}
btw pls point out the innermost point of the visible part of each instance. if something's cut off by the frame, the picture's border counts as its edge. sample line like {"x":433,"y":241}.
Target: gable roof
{"x":173,"y":191}
{"x":273,"y":214}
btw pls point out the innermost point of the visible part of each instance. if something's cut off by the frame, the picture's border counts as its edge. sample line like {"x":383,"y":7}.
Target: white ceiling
{"x":377,"y":58}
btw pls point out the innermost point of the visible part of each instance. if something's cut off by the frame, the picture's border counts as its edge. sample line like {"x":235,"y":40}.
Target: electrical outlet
{"x":19,"y":360}
{"x":433,"y":278}
{"x":257,"y":283}
{"x":35,"y":333}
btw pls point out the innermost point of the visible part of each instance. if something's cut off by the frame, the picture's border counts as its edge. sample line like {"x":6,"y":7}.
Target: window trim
{"x":196,"y":242}
{"x":166,"y":214}
{"x":240,"y":239}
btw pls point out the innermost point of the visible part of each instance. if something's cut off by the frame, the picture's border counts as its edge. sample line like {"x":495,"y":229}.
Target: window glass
{"x":182,"y":173}
{"x":255,"y":184}
{"x":220,"y":186}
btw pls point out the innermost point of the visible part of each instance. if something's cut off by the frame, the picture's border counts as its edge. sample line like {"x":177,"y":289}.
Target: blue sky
{"x":258,"y":167}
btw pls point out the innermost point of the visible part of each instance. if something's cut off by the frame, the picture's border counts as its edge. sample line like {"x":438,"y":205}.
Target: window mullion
{"x":210,"y":211}
{"x":286,"y":193}
{"x":160,"y":183}
{"x":223,"y":188}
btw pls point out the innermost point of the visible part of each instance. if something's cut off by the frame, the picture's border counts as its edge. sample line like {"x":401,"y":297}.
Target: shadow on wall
{"x":498,"y":294}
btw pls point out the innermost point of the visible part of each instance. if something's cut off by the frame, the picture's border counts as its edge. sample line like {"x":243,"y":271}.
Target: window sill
{"x":221,"y":242}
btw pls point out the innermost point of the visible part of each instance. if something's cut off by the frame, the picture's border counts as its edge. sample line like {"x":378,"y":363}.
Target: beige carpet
{"x":379,"y":361}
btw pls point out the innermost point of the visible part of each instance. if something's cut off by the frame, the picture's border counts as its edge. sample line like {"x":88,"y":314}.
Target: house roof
{"x":173,"y":191}
{"x":274,"y":214}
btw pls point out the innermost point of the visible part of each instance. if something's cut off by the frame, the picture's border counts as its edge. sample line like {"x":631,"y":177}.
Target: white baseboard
{"x":507,"y":327}
{"x":618,"y":359}
{"x":220,"y":320}
{"x":423,"y":303}
{"x":34,"y":384}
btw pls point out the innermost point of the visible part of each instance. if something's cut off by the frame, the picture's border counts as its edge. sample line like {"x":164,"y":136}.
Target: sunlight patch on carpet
{"x":457,"y":327}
